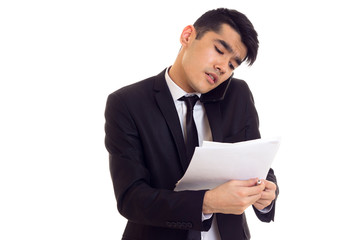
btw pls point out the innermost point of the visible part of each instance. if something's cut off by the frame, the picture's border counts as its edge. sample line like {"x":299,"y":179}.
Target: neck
{"x":177,"y":74}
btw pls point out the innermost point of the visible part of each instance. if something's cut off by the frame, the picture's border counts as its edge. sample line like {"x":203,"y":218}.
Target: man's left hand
{"x":267,"y":196}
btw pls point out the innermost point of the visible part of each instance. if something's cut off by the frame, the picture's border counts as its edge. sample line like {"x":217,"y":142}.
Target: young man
{"x":148,"y":137}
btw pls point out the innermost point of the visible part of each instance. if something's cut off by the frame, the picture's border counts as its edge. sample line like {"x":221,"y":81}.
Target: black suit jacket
{"x":147,"y":157}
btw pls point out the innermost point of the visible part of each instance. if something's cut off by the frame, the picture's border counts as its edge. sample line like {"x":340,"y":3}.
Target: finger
{"x":245,"y":183}
{"x":269,"y":185}
{"x":253,"y":199}
{"x":251,"y":191}
{"x":268,"y":195}
{"x":261,"y":205}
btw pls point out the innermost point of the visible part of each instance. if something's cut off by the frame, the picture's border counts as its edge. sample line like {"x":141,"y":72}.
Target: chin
{"x":203,"y":91}
{"x":203,"y":88}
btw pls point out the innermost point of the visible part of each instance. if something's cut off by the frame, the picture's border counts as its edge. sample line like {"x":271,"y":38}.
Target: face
{"x":210,"y":60}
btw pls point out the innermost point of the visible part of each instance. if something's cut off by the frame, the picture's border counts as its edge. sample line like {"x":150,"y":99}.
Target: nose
{"x":221,"y":67}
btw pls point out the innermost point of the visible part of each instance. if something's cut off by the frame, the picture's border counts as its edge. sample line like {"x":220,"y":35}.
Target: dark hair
{"x":213,"y":20}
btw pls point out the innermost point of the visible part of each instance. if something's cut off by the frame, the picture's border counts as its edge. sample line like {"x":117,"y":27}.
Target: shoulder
{"x":238,"y":89}
{"x":238,"y":85}
{"x":138,"y":89}
{"x":136,"y":96}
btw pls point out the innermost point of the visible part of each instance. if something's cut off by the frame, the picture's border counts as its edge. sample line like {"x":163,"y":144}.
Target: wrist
{"x":207,"y":203}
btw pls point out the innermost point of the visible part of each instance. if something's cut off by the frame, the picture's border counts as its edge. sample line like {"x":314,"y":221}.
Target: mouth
{"x":212,"y":78}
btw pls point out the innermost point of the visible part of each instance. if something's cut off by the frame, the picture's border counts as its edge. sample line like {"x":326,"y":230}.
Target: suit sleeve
{"x":137,"y":200}
{"x":252,"y":132}
{"x":268,"y":217}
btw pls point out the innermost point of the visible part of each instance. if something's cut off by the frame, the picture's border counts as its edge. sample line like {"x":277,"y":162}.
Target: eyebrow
{"x":229,"y":49}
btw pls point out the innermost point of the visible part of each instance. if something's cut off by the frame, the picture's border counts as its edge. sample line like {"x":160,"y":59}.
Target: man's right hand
{"x":232,"y":197}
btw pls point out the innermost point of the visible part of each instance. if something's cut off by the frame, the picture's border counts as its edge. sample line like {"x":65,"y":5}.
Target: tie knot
{"x":190,"y":101}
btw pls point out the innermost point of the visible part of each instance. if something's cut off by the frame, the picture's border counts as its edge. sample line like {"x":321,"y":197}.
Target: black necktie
{"x":191,"y":141}
{"x":191,"y":138}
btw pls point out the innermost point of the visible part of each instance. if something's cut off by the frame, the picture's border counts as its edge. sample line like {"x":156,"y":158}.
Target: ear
{"x":187,"y":35}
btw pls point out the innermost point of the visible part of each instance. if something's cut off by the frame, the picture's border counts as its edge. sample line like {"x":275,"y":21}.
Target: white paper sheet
{"x":216,"y":163}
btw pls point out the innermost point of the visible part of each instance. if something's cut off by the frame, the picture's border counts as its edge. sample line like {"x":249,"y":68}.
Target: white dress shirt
{"x":204,"y":134}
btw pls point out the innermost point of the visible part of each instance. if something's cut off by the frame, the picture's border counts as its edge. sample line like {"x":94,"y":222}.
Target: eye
{"x":218,"y":50}
{"x":231,"y":66}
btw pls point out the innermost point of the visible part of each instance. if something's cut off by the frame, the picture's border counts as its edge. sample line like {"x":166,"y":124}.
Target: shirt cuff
{"x":206,"y":216}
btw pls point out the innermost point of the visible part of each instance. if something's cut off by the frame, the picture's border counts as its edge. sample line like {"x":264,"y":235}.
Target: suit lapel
{"x":167,"y":107}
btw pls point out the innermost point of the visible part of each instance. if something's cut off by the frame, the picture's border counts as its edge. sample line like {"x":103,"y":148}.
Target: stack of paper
{"x":216,"y":163}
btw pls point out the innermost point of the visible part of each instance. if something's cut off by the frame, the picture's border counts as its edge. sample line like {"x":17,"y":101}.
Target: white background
{"x":60,"y":59}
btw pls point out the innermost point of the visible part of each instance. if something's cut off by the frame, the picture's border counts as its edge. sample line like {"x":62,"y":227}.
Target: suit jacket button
{"x":183,"y":225}
{"x":171,"y":224}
